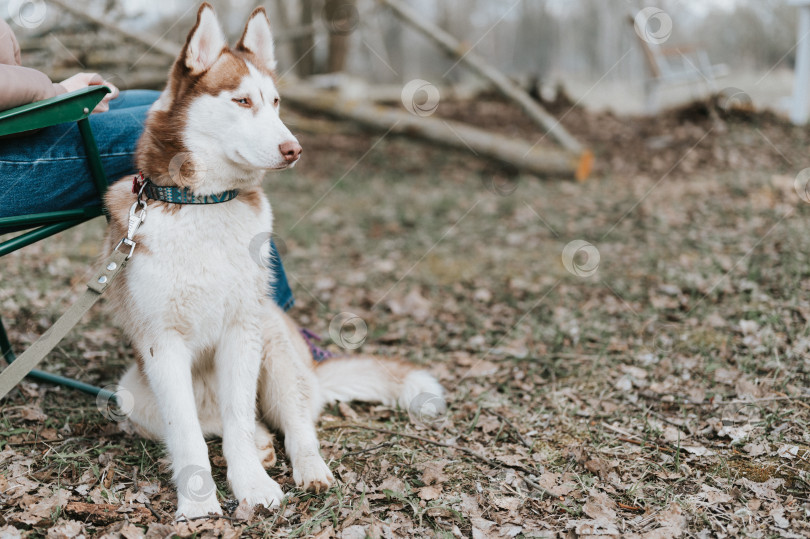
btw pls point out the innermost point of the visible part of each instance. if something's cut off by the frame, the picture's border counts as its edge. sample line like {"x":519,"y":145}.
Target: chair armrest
{"x":69,"y":107}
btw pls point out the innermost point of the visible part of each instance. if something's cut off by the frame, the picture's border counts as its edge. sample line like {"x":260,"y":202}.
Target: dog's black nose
{"x":290,"y":150}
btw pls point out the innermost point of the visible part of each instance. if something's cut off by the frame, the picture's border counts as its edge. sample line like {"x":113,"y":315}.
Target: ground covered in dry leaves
{"x":664,"y":394}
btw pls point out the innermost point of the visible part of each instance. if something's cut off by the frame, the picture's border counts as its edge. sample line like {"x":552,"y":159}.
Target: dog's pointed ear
{"x":205,"y":42}
{"x":258,"y":39}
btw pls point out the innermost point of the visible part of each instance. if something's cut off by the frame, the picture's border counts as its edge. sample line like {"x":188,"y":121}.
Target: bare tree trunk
{"x":283,"y":15}
{"x":284,"y":51}
{"x":304,"y":46}
{"x":341,"y":19}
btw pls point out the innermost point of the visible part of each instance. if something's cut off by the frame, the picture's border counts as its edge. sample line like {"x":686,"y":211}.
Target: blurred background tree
{"x":577,"y":42}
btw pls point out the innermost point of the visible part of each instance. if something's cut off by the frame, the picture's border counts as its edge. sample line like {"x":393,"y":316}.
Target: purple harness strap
{"x":318,"y":353}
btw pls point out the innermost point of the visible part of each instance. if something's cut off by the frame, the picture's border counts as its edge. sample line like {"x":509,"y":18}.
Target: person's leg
{"x":134,"y":98}
{"x":282,"y":295}
{"x":48,"y":170}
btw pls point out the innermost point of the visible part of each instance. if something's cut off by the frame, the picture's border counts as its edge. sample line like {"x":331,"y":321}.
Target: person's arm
{"x":21,"y":85}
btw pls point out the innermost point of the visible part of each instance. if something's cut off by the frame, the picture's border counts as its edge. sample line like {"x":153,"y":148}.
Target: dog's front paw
{"x":190,"y":508}
{"x":311,"y":473}
{"x":196,"y":493}
{"x":257,"y":489}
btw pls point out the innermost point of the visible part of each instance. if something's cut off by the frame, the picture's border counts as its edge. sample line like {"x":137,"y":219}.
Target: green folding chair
{"x":71,"y":107}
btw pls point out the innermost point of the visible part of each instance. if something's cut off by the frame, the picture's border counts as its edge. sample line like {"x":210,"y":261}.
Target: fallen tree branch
{"x":630,"y":507}
{"x":105,"y":513}
{"x":494,"y":463}
{"x":642,"y":443}
{"x":513,"y":152}
{"x":512,"y":426}
{"x":631,"y":438}
{"x":467,"y":450}
{"x":367,"y":449}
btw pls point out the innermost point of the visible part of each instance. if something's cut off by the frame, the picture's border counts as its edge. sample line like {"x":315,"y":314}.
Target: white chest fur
{"x":200,"y":276}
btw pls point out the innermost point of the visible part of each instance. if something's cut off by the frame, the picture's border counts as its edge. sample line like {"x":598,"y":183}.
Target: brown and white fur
{"x":209,"y":342}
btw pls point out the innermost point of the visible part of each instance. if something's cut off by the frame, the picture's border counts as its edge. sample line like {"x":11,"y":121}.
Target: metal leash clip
{"x":136,"y":217}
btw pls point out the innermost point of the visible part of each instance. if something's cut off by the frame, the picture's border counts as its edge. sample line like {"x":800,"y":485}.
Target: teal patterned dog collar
{"x":178,"y":195}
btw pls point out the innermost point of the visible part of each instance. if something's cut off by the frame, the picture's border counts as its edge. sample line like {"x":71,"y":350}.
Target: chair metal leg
{"x":35,"y":235}
{"x":93,"y":157}
{"x":71,"y":383}
{"x":8,"y":355}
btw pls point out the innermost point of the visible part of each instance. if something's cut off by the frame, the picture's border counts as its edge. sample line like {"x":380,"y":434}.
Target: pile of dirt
{"x":698,"y":135}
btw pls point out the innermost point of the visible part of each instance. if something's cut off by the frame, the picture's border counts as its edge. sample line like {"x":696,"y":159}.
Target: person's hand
{"x":83,"y":80}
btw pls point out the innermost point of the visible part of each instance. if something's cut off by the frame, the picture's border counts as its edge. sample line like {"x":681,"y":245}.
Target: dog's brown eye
{"x":243,"y":101}
{"x":275,"y":102}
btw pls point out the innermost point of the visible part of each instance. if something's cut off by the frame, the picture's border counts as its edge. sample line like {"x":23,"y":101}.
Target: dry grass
{"x":665,"y":395}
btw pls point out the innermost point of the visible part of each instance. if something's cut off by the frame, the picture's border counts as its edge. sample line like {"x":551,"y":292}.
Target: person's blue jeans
{"x":48,"y":171}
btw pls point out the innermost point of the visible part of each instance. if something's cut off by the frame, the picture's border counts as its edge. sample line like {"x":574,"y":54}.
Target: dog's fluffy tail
{"x":373,"y":379}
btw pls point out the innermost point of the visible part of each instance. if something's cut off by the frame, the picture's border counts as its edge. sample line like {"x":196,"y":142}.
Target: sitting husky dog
{"x":208,"y":340}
